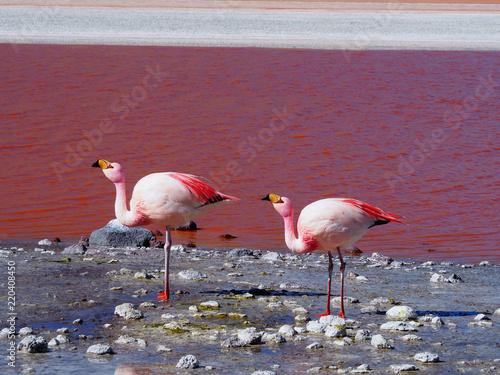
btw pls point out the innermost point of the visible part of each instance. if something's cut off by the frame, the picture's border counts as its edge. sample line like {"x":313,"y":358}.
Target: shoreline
{"x":341,"y":28}
{"x":243,"y":292}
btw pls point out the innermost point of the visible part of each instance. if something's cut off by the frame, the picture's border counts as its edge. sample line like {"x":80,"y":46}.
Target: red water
{"x":413,"y":132}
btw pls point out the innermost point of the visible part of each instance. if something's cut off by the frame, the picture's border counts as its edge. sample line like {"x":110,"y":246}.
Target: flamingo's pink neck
{"x":295,"y":244}
{"x":122,"y":213}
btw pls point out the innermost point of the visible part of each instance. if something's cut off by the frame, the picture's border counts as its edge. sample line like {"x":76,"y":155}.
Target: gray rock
{"x":426,"y":357}
{"x":411,"y":338}
{"x":128,"y":311}
{"x":188,"y":226}
{"x":362,"y":368}
{"x":62,"y":339}
{"x":404,"y":367}
{"x":240,"y":252}
{"x":250,"y":336}
{"x":401,"y":313}
{"x":53,"y":342}
{"x":481,"y":317}
{"x":163,"y":349}
{"x":287,"y":330}
{"x":363,"y":334}
{"x":438,"y":278}
{"x":316,"y":326}
{"x":32,"y":344}
{"x":25,"y":331}
{"x":272,"y":256}
{"x":380,"y":259}
{"x":76,"y":249}
{"x":100,"y":349}
{"x":273,"y":338}
{"x":335,"y":331}
{"x":397,"y":326}
{"x":45,"y":242}
{"x":192,"y":275}
{"x":379,"y":342}
{"x":188,"y":361}
{"x":497,"y":312}
{"x":382,"y":301}
{"x":4,"y":333}
{"x":454,"y":278}
{"x":115,"y":234}
{"x":315,"y":345}
{"x":264,"y":372}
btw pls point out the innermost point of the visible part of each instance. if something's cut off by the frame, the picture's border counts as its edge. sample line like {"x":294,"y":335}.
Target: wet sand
{"x":318,"y":25}
{"x":265,"y":290}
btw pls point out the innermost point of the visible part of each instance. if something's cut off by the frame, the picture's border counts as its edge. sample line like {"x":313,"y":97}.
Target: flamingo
{"x":166,"y":199}
{"x":327,"y":224}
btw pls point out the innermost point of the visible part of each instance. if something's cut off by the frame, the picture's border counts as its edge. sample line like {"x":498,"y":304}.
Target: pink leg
{"x":342,"y":268}
{"x":168,"y":242}
{"x":330,"y":268}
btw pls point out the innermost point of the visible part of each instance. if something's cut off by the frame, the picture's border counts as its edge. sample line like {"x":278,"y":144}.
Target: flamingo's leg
{"x":168,"y":243}
{"x":330,"y":269}
{"x":342,"y":269}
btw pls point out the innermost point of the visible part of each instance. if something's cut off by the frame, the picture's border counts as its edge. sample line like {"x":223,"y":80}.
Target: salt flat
{"x":351,"y":29}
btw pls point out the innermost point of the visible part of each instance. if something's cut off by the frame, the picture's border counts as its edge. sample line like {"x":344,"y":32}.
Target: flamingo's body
{"x":165,"y":199}
{"x":326,"y":225}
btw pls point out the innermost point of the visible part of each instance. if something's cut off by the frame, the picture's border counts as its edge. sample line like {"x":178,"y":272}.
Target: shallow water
{"x":412,"y":132}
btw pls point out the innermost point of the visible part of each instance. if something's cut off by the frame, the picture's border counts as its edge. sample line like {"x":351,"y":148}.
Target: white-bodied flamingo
{"x":166,"y":199}
{"x":328,"y":224}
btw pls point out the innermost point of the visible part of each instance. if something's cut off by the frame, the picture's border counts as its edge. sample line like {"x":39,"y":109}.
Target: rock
{"x":497,"y":312}
{"x":77,"y":321}
{"x":382,"y":301}
{"x":273,"y":338}
{"x":335,"y":331}
{"x":438,"y":278}
{"x":53,"y":342}
{"x":336,"y":300}
{"x":32,"y":344}
{"x":4,"y":333}
{"x":454,"y":278}
{"x":272,"y":256}
{"x":163,"y":349}
{"x":124,"y":340}
{"x":75,"y":249}
{"x":238,"y":253}
{"x":316,"y":326}
{"x":380,"y":259}
{"x":192,"y":275}
{"x":362,"y":368}
{"x":485,"y":263}
{"x":45,"y":242}
{"x":115,"y":234}
{"x":315,"y":345}
{"x":128,"y":311}
{"x":426,"y":357}
{"x":401,"y":313}
{"x":379,"y":342}
{"x":188,"y":226}
{"x":332,"y":320}
{"x":397,"y":326}
{"x":100,"y":349}
{"x":62,"y":339}
{"x":287,"y":330}
{"x":404,"y":367}
{"x":25,"y":331}
{"x":363,"y":334}
{"x":210,"y":305}
{"x":264,"y":372}
{"x":479,"y":317}
{"x":188,"y":361}
{"x":250,"y":336}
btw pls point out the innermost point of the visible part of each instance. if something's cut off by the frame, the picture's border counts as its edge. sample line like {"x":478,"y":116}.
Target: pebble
{"x":404,"y":367}
{"x":25,"y":331}
{"x":497,"y":312}
{"x":362,"y":368}
{"x":32,"y":344}
{"x":287,"y":330}
{"x":315,"y":345}
{"x":401,"y":313}
{"x":250,"y":336}
{"x":188,"y":361}
{"x":238,"y":253}
{"x":77,"y":321}
{"x":142,"y":275}
{"x":210,"y":305}
{"x":411,"y":338}
{"x":363,"y":334}
{"x":100,"y":349}
{"x":45,"y":242}
{"x":335,"y":331}
{"x":264,"y":372}
{"x":379,"y":342}
{"x":397,"y":326}
{"x":481,"y":317}
{"x":163,"y":349}
{"x":273,"y":338}
{"x":128,"y":311}
{"x":272,"y":256}
{"x":192,"y":275}
{"x":426,"y":357}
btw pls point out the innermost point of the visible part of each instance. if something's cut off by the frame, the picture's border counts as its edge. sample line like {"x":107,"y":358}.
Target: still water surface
{"x":413,"y":132}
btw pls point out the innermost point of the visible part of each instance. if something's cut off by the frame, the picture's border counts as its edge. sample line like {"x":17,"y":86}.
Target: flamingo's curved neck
{"x":122,"y":213}
{"x":295,"y":244}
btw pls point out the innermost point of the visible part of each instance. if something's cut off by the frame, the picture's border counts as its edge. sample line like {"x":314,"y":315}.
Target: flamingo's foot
{"x":342,"y":315}
{"x":163,"y":296}
{"x":325,"y":314}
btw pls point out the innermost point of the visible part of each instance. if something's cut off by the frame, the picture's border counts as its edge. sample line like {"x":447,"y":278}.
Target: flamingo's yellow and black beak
{"x":273,"y":198}
{"x":103,"y":164}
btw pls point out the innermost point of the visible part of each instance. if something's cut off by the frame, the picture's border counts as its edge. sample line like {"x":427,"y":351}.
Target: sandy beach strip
{"x":318,"y":25}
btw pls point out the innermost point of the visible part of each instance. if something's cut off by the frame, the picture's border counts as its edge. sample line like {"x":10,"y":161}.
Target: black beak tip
{"x":96,"y":164}
{"x":266,"y":198}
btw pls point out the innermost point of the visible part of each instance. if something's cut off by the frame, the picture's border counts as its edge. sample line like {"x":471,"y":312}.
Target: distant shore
{"x":306,"y":24}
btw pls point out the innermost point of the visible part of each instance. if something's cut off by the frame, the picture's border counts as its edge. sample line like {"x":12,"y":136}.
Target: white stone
{"x":287,"y":330}
{"x":128,"y":311}
{"x":335,"y":331}
{"x":45,"y":242}
{"x":404,"y":367}
{"x":192,"y":275}
{"x":379,"y":342}
{"x":397,"y":326}
{"x":188,"y":361}
{"x":401,"y":313}
{"x":100,"y":349}
{"x":315,"y":345}
{"x":426,"y":357}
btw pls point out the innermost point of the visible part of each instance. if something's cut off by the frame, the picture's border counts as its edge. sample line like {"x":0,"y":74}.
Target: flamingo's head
{"x":113,"y":171}
{"x":282,"y":205}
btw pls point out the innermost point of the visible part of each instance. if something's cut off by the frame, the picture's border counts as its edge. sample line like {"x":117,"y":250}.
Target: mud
{"x":52,"y":290}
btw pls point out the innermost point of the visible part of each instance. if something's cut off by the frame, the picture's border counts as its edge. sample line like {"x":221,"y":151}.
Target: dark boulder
{"x":114,"y":234}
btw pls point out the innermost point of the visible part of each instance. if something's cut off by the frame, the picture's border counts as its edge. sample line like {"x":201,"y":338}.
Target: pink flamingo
{"x":167,"y":199}
{"x":327,"y":224}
